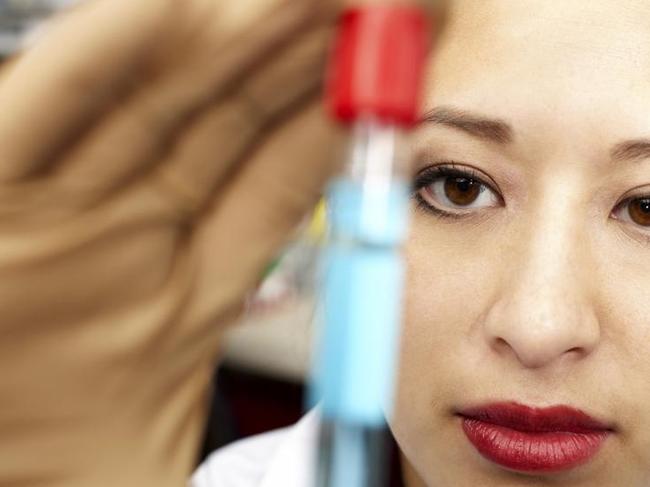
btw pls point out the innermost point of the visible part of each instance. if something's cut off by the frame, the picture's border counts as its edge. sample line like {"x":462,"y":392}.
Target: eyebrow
{"x":491,"y":129}
{"x":499,"y":131}
{"x":631,"y":150}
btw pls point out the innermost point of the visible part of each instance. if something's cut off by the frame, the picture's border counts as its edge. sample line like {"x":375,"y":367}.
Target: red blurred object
{"x":377,"y":65}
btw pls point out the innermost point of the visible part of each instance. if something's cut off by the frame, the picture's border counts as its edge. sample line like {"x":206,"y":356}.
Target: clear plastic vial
{"x":373,"y":88}
{"x":361,"y":294}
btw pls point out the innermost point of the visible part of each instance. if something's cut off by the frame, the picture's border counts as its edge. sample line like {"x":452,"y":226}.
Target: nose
{"x":543,"y":312}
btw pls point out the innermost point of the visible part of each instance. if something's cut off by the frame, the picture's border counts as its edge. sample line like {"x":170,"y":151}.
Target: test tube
{"x":373,"y":88}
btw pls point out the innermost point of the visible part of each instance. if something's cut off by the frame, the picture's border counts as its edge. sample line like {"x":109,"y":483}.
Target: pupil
{"x":462,"y":191}
{"x":465,"y":185}
{"x":644,"y":205}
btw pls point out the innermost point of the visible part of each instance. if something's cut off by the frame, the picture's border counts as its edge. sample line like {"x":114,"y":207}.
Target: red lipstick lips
{"x":533,"y":439}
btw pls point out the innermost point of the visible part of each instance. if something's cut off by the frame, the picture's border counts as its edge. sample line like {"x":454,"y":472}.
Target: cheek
{"x":624,"y":363}
{"x":448,"y":288}
{"x":450,"y":285}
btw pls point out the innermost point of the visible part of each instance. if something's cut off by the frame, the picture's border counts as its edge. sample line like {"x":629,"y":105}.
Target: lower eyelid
{"x":423,"y":205}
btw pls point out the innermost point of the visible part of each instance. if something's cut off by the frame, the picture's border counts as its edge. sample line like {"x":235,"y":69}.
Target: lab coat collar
{"x":294,"y":464}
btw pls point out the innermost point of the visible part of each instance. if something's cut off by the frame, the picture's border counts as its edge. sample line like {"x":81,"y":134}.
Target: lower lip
{"x":532,"y":452}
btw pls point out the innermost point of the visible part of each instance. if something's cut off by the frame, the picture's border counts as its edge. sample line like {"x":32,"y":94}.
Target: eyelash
{"x":433,"y":174}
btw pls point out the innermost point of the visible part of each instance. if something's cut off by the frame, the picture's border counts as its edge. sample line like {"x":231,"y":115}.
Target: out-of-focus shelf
{"x":20,"y":20}
{"x":277,"y":344}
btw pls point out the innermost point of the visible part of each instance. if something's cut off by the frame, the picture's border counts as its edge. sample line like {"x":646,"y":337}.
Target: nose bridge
{"x":550,"y":256}
{"x":542,"y":311}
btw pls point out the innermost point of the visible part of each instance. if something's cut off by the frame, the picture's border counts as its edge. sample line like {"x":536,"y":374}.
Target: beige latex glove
{"x":154,"y":155}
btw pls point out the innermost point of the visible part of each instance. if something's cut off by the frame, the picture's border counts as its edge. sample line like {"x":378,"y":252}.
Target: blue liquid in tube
{"x":362,"y":279}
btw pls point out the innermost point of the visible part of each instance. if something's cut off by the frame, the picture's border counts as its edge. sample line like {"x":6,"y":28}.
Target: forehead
{"x":554,"y":61}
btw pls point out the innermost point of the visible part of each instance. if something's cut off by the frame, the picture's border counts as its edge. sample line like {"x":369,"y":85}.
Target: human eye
{"x":635,"y":211}
{"x":454,"y":191}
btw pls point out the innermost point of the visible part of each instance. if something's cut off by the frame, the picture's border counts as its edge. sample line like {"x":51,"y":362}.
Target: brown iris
{"x":464,"y":191}
{"x":639,"y":211}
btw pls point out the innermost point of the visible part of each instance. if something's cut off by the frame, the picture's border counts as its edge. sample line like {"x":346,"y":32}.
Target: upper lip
{"x":559,"y":418}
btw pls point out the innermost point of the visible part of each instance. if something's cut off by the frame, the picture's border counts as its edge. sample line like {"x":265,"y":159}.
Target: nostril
{"x":500,"y":344}
{"x":576,"y":351}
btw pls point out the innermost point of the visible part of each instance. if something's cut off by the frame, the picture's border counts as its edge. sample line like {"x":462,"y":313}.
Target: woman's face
{"x":529,"y":261}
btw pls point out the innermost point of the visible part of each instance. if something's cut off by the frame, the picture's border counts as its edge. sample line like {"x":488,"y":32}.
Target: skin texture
{"x":538,"y":297}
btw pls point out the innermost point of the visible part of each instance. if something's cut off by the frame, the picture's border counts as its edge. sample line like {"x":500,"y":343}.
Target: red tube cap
{"x":377,"y":64}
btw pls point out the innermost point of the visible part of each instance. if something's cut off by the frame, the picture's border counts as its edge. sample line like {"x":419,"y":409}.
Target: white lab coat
{"x":282,"y":458}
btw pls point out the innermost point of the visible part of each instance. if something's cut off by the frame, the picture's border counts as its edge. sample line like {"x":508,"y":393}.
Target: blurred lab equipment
{"x":21,"y":18}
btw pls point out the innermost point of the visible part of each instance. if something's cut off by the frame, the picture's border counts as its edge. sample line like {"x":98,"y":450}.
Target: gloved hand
{"x":154,"y":154}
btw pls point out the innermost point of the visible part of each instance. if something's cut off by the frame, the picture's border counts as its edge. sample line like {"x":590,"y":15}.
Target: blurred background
{"x":20,"y":18}
{"x":266,"y":357}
